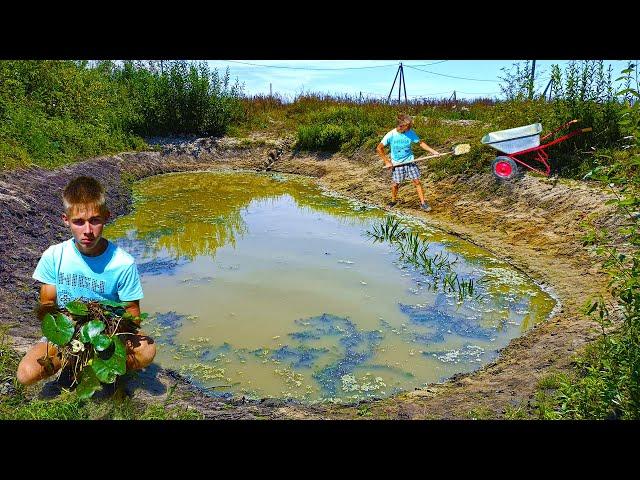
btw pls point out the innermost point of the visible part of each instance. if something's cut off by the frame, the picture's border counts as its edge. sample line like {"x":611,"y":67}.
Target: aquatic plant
{"x":414,"y":250}
{"x":387,"y":231}
{"x":86,"y":334}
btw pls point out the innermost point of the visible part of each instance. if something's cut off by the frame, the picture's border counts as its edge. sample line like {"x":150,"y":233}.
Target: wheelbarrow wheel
{"x":504,"y":168}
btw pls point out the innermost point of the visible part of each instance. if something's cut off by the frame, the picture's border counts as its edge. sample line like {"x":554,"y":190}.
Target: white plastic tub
{"x":514,"y":140}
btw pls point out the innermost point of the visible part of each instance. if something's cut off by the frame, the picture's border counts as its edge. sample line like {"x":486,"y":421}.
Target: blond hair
{"x":404,"y":119}
{"x":84,"y":191}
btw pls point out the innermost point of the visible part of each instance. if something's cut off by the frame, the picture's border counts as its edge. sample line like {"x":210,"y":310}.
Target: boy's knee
{"x":147,"y":355}
{"x":142,"y":351}
{"x":26,"y":374}
{"x":29,"y":370}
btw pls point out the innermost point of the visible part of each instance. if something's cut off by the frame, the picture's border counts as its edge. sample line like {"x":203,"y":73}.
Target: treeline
{"x":53,"y":112}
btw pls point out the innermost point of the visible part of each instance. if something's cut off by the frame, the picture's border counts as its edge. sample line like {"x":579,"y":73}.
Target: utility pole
{"x":270,"y":90}
{"x":550,"y":84}
{"x":533,"y":74}
{"x":400,"y":85}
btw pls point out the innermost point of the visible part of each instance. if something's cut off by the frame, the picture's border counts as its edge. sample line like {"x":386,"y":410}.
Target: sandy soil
{"x":533,"y":223}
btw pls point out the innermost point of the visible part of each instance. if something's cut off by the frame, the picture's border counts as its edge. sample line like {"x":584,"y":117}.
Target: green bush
{"x":607,"y":383}
{"x":56,"y":112}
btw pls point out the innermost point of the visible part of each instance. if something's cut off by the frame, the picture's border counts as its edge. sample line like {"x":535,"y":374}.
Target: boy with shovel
{"x":399,"y":141}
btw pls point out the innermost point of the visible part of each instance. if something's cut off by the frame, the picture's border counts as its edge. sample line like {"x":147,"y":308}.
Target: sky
{"x":374,"y":78}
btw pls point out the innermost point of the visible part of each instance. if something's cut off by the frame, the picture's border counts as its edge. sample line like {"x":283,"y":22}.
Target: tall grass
{"x":606,"y":381}
{"x":584,"y":91}
{"x":56,"y":112}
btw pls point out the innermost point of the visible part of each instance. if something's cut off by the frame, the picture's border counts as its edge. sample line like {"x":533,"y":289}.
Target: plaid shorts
{"x":405,"y":172}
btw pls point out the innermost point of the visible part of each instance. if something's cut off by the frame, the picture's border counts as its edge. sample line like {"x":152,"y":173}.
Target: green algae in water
{"x":269,"y":287}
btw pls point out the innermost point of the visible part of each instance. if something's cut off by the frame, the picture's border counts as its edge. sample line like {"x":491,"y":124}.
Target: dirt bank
{"x":533,"y":223}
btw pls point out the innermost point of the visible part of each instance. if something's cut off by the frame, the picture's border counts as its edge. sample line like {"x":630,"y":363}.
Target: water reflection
{"x":201,"y":213}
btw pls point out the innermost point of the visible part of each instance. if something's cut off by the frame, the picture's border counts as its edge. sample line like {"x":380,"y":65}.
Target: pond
{"x":264,"y":285}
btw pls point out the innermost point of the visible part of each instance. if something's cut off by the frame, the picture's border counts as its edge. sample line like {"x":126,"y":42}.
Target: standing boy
{"x":86,"y":267}
{"x":399,"y":141}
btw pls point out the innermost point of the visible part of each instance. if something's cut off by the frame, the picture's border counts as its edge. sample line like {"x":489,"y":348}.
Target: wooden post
{"x":533,"y":74}
{"x":547,"y":88}
{"x":394,"y":84}
{"x":404,"y":83}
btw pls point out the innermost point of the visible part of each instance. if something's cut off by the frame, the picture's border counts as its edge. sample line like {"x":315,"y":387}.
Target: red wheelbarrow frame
{"x":541,"y":155}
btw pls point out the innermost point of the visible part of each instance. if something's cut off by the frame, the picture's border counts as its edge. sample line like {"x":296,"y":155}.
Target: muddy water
{"x":265,"y":286}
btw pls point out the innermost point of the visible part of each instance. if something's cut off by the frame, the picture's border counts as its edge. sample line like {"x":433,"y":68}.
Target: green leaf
{"x":101,"y":342}
{"x":58,"y":329}
{"x":77,"y":308}
{"x":90,"y":330}
{"x":88,"y":384}
{"x":107,"y":369}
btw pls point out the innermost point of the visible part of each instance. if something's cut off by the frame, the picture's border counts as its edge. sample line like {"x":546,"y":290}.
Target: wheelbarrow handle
{"x":559,"y":128}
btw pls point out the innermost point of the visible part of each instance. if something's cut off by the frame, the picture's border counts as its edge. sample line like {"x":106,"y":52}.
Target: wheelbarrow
{"x":516,"y":142}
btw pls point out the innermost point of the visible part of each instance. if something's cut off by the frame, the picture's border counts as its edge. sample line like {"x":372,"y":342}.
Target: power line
{"x":427,"y":64}
{"x":310,"y":68}
{"x":477,"y":93}
{"x":453,"y":76}
{"x":320,"y":68}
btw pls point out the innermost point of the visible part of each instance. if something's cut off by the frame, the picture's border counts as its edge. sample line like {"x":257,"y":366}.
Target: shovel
{"x":457,"y":150}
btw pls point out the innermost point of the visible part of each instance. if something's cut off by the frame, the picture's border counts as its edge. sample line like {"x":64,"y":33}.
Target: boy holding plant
{"x":86,"y":267}
{"x":399,"y":141}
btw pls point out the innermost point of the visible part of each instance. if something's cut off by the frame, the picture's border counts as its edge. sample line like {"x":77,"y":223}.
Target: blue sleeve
{"x":386,"y":138}
{"x":129,"y":287}
{"x":414,"y":136}
{"x":45,"y":271}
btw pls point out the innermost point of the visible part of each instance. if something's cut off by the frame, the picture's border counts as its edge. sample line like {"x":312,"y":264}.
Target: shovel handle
{"x":417,"y":159}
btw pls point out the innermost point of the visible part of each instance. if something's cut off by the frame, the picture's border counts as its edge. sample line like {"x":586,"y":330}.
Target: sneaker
{"x":392,"y":203}
{"x":425,"y":206}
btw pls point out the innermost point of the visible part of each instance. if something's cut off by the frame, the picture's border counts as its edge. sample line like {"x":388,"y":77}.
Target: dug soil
{"x":534,"y":223}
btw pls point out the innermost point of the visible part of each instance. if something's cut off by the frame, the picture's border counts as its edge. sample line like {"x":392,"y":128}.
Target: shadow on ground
{"x":144,"y":381}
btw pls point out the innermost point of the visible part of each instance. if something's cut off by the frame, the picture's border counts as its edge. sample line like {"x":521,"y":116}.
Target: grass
{"x":545,"y":405}
{"x":480,"y":413}
{"x":516,"y":413}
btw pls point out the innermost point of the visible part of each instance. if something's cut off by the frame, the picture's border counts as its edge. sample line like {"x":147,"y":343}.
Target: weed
{"x":480,"y":413}
{"x":364,"y":411}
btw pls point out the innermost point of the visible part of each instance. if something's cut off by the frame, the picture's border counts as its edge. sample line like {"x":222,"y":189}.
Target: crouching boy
{"x":86,"y":267}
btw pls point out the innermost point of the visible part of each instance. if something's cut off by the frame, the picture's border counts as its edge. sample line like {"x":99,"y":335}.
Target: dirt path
{"x":534,"y":224}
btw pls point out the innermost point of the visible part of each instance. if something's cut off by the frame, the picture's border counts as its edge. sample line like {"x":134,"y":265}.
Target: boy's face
{"x":86,"y":223}
{"x":403,"y":128}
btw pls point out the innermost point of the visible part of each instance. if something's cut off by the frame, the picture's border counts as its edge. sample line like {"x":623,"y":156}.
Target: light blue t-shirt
{"x":400,"y":144}
{"x":113,"y":275}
